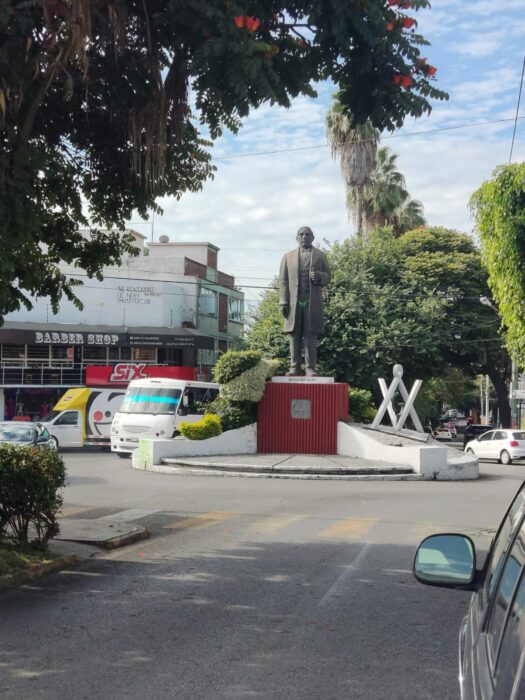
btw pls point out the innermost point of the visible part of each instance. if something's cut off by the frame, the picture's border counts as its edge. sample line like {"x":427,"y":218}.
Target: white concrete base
{"x":232,"y":442}
{"x":432,"y":462}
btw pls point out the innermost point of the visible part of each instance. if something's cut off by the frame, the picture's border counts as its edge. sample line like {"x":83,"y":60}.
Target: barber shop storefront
{"x":37,"y":364}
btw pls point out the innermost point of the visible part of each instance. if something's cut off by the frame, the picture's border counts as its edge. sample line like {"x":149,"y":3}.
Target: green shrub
{"x":361,"y":405}
{"x":208,"y":426}
{"x":249,"y":386}
{"x":233,"y":363}
{"x":30,"y":480}
{"x":233,"y":414}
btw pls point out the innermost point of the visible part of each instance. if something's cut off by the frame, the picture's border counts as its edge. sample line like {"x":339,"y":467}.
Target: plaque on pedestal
{"x":302,"y":379}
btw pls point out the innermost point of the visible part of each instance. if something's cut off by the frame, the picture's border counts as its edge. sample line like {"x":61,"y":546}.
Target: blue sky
{"x":256,"y":203}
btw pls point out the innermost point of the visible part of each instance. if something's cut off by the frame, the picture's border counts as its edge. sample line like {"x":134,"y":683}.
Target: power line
{"x":387,"y":137}
{"x":517,"y":111}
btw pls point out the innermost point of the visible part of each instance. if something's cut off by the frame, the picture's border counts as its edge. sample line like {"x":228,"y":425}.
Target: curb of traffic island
{"x":141,"y":533}
{"x":34,"y":572}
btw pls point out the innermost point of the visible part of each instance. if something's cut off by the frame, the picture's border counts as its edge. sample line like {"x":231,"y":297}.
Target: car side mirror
{"x":447,"y":560}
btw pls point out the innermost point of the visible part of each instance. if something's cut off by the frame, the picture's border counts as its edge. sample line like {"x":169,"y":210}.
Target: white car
{"x":503,"y":445}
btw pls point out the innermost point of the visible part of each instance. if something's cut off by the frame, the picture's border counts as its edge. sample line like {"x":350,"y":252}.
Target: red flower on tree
{"x":408,"y":22}
{"x":432,"y":70}
{"x":252,"y":23}
{"x":239,"y":21}
{"x":389,"y":26}
{"x":406,"y":81}
{"x":396,"y":78}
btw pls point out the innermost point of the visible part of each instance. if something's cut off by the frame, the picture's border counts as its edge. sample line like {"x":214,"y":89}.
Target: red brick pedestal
{"x":301,"y":416}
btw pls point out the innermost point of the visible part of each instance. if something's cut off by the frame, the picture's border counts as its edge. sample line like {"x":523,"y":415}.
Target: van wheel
{"x":124,"y":455}
{"x":505,"y":458}
{"x":54,"y":442}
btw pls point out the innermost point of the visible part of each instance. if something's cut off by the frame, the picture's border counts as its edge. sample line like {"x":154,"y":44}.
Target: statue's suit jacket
{"x":289,"y":287}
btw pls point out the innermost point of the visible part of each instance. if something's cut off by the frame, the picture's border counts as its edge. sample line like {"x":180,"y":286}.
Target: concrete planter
{"x":232,"y":442}
{"x":431,"y":461}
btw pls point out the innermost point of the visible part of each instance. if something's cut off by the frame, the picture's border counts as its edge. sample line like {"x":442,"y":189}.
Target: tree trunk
{"x":502,"y":392}
{"x":359,"y":210}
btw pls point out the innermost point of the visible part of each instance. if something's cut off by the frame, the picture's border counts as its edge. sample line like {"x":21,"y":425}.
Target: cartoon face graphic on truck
{"x":100,"y":410}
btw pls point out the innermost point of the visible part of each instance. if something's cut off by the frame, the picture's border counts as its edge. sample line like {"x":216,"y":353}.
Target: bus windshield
{"x":151,"y":400}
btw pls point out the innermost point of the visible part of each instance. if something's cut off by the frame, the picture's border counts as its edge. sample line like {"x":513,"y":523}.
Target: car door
{"x":67,"y":429}
{"x":480,"y":642}
{"x":484,"y":448}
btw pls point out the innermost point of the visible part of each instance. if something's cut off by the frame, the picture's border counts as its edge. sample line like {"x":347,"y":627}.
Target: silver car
{"x":503,"y":445}
{"x":27,"y":434}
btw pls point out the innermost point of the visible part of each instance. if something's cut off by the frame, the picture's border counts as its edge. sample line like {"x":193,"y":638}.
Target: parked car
{"x":475,"y":430}
{"x":492,"y":635}
{"x":28,"y":434}
{"x":442,"y":434}
{"x":503,"y":445}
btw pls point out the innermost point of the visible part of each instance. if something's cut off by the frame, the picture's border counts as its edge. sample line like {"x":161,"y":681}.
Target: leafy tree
{"x":412,"y":300}
{"x":95,"y":119}
{"x":499,"y":208}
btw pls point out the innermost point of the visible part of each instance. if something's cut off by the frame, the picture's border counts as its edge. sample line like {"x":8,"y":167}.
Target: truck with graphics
{"x":82,"y":417}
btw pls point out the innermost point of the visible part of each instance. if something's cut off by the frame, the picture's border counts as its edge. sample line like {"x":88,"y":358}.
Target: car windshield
{"x":151,"y":400}
{"x":16,"y":433}
{"x":519,"y":436}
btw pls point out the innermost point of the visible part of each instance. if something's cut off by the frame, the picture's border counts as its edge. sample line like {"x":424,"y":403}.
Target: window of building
{"x":62,"y":354}
{"x":144,"y":354}
{"x":94,"y":353}
{"x":208,"y":302}
{"x":38,"y":353}
{"x":14,"y":354}
{"x":235,"y":310}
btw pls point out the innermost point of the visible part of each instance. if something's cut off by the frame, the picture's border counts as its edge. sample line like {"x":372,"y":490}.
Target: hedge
{"x":233,"y":414}
{"x":233,"y":363}
{"x":209,"y":426}
{"x":30,"y":480}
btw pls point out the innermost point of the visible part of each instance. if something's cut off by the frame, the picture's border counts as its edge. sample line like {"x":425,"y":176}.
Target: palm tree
{"x":385,"y":190}
{"x":356,"y":146}
{"x":408,"y":217}
{"x":386,"y":201}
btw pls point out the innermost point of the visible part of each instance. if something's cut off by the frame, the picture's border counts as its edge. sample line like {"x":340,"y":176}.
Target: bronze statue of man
{"x":303,"y":273}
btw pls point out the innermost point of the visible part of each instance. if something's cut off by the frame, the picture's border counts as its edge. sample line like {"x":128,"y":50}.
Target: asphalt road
{"x":247,"y":589}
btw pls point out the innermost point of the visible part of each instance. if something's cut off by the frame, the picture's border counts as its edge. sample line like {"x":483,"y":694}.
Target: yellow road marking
{"x":350,"y":528}
{"x":271,"y":524}
{"x":74,"y":510}
{"x":203,"y":520}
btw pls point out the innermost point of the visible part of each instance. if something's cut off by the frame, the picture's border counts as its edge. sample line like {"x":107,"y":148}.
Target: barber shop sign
{"x":56,"y":338}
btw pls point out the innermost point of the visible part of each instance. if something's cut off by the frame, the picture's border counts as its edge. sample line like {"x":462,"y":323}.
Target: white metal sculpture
{"x":387,"y":405}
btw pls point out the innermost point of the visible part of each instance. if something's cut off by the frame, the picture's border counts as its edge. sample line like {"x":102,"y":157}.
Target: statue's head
{"x":305,"y":237}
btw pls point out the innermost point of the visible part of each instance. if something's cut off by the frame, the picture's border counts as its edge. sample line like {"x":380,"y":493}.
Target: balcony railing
{"x":42,"y":376}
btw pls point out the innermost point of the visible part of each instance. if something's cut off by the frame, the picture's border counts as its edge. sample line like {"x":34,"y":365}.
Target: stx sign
{"x":124,"y":372}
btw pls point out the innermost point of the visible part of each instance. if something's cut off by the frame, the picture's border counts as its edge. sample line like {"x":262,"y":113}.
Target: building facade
{"x":170,"y":305}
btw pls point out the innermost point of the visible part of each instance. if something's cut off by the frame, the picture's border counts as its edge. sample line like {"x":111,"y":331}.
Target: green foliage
{"x":95,"y":120}
{"x":249,"y":385}
{"x":15,"y":558}
{"x":208,"y":426}
{"x":452,"y":388}
{"x":233,"y":414}
{"x":30,"y":480}
{"x":412,"y":300}
{"x":233,"y":363}
{"x":499,"y":208}
{"x":264,"y":328}
{"x":361,"y":407}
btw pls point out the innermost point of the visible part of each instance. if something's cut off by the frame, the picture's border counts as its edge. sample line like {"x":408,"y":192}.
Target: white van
{"x":153,"y":408}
